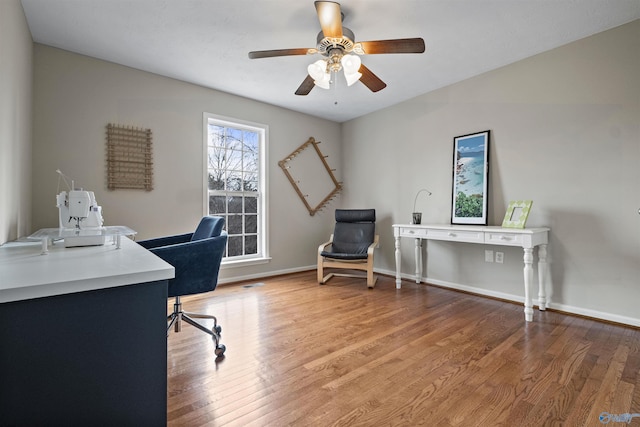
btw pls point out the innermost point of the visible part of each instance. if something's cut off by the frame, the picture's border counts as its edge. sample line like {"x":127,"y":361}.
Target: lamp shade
{"x":352,"y":78}
{"x":319,"y":74}
{"x":351,"y":65}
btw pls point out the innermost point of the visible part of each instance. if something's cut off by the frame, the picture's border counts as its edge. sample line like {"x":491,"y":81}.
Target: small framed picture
{"x":517,"y":214}
{"x":470,"y":179}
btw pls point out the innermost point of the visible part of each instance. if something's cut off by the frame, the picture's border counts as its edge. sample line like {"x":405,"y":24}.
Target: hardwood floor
{"x":299,"y":353}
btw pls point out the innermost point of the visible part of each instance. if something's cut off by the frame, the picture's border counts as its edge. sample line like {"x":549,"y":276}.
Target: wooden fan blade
{"x":370,"y":80}
{"x":330,"y":18}
{"x":415,"y":45}
{"x":306,"y":86}
{"x":277,"y":52}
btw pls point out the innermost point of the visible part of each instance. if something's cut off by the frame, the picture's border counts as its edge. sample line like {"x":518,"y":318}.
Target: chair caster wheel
{"x":217,"y":329}
{"x":220,"y":349}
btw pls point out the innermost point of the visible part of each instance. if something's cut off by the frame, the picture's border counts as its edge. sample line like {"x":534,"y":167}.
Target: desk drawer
{"x":505,"y":239}
{"x":413,"y":232}
{"x":469,"y":236}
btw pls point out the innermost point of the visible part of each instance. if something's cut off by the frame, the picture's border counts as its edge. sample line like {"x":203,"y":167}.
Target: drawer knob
{"x":504,"y":238}
{"x":452,"y":234}
{"x":411,"y":232}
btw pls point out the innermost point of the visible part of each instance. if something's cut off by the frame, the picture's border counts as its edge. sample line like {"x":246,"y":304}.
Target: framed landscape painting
{"x":470,"y":179}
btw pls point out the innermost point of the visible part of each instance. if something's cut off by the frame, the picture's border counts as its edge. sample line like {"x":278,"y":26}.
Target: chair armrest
{"x":185,"y":256}
{"x":375,"y":244}
{"x":196,"y":263}
{"x":165,"y":241}
{"x":324,"y":245}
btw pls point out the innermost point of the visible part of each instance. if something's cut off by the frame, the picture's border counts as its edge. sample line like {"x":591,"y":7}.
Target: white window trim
{"x":263,"y":200}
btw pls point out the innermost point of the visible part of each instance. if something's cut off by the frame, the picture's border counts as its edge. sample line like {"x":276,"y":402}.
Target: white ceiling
{"x":206,"y":41}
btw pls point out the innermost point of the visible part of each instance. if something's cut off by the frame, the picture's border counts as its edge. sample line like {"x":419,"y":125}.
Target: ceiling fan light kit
{"x":337,"y":44}
{"x":318,"y":71}
{"x":321,"y":70}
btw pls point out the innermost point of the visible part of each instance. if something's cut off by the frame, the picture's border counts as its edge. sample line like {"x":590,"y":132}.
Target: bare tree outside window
{"x":235,"y":181}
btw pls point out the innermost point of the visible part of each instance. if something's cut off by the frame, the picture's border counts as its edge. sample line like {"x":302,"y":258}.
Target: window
{"x":236,"y":183}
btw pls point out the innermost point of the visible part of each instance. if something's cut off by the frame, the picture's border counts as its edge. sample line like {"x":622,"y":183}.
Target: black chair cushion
{"x":354,"y":232}
{"x":355,"y":215}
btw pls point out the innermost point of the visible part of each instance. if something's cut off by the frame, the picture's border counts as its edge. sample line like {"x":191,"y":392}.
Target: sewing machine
{"x":80,"y":222}
{"x":80,"y":218}
{"x":78,"y":210}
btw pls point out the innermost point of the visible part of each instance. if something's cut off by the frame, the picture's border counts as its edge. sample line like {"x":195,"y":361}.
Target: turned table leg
{"x":542,"y":277}
{"x":528,"y":277}
{"x":418,"y":260}
{"x":398,"y":280}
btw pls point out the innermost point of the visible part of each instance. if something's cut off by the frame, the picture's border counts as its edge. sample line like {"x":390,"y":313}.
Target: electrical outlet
{"x":500,"y":257}
{"x":488,"y":256}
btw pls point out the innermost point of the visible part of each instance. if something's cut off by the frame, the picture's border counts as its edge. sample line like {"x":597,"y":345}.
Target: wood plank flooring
{"x":303,"y":354}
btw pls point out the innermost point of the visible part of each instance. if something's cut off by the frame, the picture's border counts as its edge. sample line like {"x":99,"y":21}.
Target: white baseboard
{"x":631,"y":321}
{"x":565,"y":308}
{"x":223,"y":281}
{"x":601,"y":315}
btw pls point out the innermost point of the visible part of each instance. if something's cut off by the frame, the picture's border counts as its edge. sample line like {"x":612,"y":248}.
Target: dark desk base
{"x":90,"y":358}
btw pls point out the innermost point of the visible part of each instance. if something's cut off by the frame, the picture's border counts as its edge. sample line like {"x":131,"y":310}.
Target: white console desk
{"x":527,"y":238}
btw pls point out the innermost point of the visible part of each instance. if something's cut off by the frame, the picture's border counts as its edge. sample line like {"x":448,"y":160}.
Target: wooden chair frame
{"x":357,"y":264}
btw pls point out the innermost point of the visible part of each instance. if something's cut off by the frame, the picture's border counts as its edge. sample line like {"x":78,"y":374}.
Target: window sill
{"x":244,"y":262}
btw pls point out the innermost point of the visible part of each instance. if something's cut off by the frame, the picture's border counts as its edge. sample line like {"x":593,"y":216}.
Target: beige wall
{"x":565,"y":133}
{"x":77,"y":96}
{"x":15,"y":122}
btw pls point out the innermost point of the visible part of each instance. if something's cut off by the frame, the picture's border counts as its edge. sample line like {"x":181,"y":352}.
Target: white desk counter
{"x":527,"y":238}
{"x":26,"y":274}
{"x":84,"y":335}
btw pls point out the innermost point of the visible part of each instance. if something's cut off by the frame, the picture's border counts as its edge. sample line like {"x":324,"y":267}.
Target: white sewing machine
{"x":80,"y":218}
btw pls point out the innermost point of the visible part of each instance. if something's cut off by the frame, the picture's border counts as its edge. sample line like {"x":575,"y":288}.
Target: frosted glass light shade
{"x":351,"y":65}
{"x":318,"y":72}
{"x":318,"y":69}
{"x":352,"y":78}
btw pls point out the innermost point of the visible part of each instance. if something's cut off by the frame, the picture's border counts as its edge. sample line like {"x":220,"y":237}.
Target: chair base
{"x":371,"y":281}
{"x":360,"y":264}
{"x":175,"y":319}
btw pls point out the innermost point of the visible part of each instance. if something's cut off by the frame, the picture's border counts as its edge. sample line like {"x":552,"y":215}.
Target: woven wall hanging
{"x":129,"y":158}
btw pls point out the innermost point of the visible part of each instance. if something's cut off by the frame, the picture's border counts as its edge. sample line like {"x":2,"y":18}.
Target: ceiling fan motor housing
{"x":326,"y":44}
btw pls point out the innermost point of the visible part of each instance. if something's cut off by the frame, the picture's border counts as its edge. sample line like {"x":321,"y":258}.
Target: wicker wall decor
{"x":310,"y":175}
{"x":129,"y":158}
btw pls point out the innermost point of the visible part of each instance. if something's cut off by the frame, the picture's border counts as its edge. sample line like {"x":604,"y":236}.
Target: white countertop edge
{"x":54,"y":289}
{"x":148,"y":268}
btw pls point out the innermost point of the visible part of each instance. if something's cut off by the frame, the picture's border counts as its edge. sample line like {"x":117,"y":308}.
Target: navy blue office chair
{"x":351,"y":245}
{"x":196,"y":258}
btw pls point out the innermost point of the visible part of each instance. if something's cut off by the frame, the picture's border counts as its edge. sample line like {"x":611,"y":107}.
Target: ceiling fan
{"x":340,"y":51}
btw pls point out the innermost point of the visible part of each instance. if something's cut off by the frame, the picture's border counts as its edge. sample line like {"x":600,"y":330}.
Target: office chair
{"x":196,"y":258}
{"x":351,"y":245}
